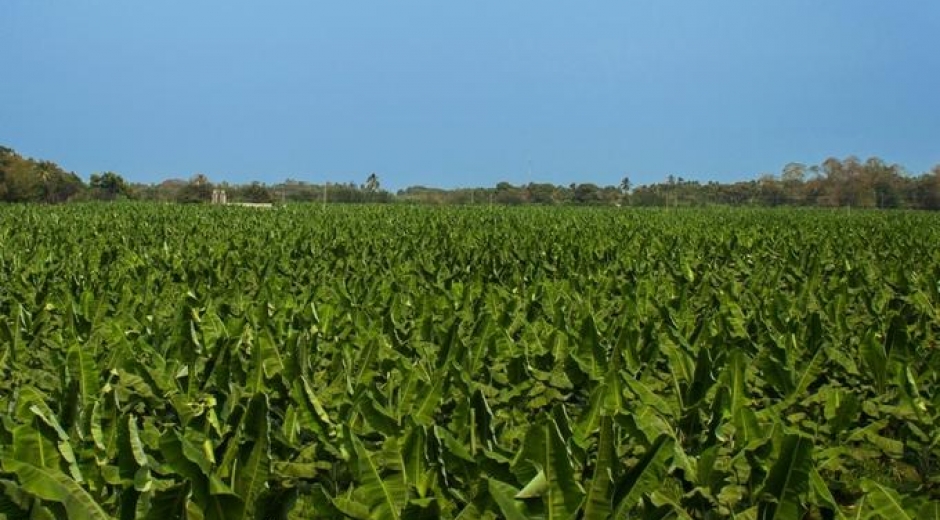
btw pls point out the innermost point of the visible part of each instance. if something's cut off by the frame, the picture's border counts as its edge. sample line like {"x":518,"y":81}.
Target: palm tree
{"x":625,"y":186}
{"x":372,"y":183}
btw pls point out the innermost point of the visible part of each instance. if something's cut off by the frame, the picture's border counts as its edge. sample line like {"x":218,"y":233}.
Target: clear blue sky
{"x":468,"y":93}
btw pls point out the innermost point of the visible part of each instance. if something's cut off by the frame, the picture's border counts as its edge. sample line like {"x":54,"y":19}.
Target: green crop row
{"x":411,"y":362}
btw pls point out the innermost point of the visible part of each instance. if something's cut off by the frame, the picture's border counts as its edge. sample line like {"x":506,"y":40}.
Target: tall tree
{"x":625,"y":185}
{"x":587,"y":193}
{"x":198,"y":189}
{"x":372,"y":183}
{"x":108,"y":186}
{"x":254,"y":192}
{"x":793,"y":176}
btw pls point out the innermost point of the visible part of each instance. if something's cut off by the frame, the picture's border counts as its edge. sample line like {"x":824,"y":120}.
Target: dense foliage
{"x":27,"y":180}
{"x":410,"y":362}
{"x":849,"y":183}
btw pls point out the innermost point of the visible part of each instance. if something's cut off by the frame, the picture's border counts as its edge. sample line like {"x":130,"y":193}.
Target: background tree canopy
{"x":850,"y":182}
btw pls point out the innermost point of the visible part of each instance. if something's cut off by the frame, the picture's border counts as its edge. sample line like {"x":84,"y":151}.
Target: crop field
{"x":397,"y":362}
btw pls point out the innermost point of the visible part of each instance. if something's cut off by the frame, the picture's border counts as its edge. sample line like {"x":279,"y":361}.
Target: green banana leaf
{"x":55,"y":486}
{"x":782,"y":496}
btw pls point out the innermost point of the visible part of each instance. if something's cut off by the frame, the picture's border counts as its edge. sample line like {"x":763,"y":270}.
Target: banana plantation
{"x":400,"y":362}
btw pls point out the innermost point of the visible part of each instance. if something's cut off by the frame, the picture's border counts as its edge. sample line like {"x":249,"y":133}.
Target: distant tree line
{"x":835,"y":183}
{"x":199,"y":189}
{"x":508,"y":194}
{"x":27,"y":180}
{"x":23,"y":179}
